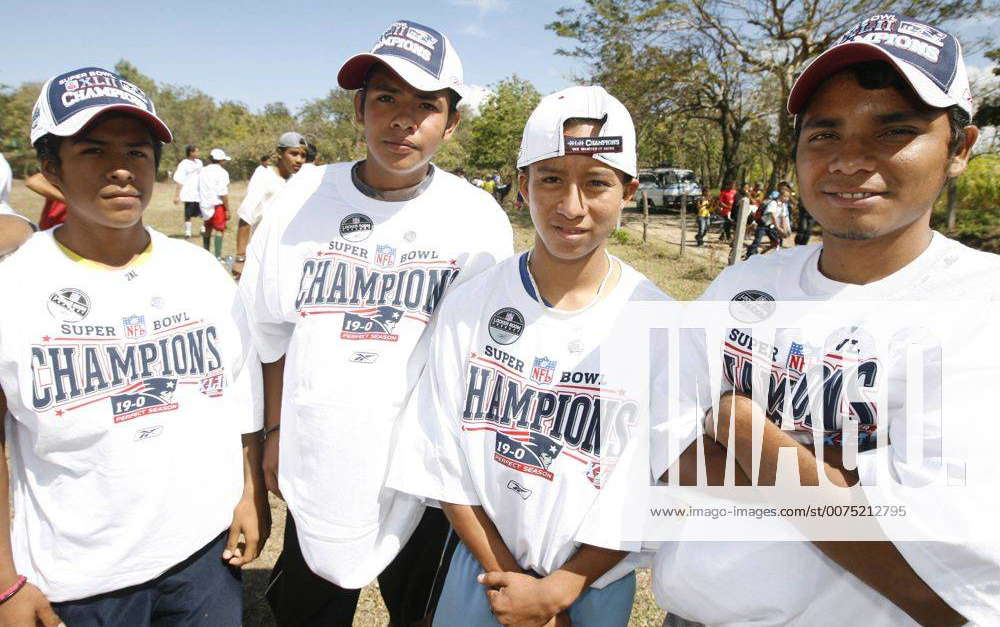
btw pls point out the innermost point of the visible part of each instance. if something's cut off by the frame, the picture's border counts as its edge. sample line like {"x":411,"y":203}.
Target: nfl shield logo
{"x":543,"y":370}
{"x":796,"y":357}
{"x":385,"y":256}
{"x":135,"y":326}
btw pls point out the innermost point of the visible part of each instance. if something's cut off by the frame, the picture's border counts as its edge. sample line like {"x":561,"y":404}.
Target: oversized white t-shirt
{"x":345,"y":286}
{"x":515,"y":414}
{"x":264,"y":185}
{"x":213,"y":184}
{"x":793,"y":583}
{"x":186,"y":175}
{"x":128,"y":392}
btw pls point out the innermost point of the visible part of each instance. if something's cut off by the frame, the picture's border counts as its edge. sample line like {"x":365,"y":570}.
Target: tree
{"x":775,"y":38}
{"x":496,"y":133}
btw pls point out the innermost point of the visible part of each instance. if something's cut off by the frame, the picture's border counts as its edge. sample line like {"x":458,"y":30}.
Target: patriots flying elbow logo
{"x":527,"y":451}
{"x":372,"y":323}
{"x":149,"y":396}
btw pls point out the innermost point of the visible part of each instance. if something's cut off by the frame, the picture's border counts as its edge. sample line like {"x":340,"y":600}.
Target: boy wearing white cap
{"x":213,"y":192}
{"x":508,"y":426}
{"x":128,"y":390}
{"x":343,"y":280}
{"x":263,"y":187}
{"x":882,"y":123}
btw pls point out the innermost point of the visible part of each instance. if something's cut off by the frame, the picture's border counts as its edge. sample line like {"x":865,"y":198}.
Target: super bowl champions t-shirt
{"x":128,"y":392}
{"x":186,"y":175}
{"x":345,"y":287}
{"x":754,"y":583}
{"x":514,"y":413}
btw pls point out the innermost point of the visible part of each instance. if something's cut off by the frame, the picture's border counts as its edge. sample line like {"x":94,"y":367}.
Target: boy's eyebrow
{"x":822,"y":123}
{"x":905,"y":116}
{"x":88,"y":140}
{"x":550,"y":169}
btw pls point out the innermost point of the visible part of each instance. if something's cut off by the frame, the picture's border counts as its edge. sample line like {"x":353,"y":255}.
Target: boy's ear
{"x":958,"y":163}
{"x":359,"y":107}
{"x":453,"y":121}
{"x":52,"y":172}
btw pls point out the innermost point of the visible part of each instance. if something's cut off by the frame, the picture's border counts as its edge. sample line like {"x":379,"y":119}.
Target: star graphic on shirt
{"x":303,"y":314}
{"x":46,"y":338}
{"x":552,"y":450}
{"x":59,"y":412}
{"x":171,"y":385}
{"x":396,"y":315}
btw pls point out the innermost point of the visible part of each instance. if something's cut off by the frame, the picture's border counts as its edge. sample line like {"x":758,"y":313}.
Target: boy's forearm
{"x":481,"y":537}
{"x":586,"y":566}
{"x":253,"y":474}
{"x":8,"y":572}
{"x":274,"y":380}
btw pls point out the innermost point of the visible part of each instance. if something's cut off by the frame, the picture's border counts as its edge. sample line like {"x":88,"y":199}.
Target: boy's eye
{"x":430,"y":106}
{"x":901,"y":132}
{"x":820,"y":136}
{"x":384,"y":98}
{"x":551,"y":179}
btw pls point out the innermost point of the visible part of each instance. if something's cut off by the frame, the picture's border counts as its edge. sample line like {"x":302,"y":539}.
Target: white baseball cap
{"x":544,"y":137}
{"x":422,"y":56}
{"x":930,"y":60}
{"x":218,"y":154}
{"x":69,"y":102}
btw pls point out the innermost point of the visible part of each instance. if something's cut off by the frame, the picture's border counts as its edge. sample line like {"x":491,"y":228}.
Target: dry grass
{"x":683,"y":278}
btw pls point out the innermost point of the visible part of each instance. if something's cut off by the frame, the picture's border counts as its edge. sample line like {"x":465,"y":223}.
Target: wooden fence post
{"x":684,"y":204}
{"x":645,"y":215}
{"x":741,"y":228}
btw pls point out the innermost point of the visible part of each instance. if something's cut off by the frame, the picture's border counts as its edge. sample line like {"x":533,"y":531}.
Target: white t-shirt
{"x":213,"y":184}
{"x":128,"y":394}
{"x":264,"y":185}
{"x":186,"y":175}
{"x":793,"y":583}
{"x":774,"y":211}
{"x":537,"y":460}
{"x":345,"y":287}
{"x":6,"y":180}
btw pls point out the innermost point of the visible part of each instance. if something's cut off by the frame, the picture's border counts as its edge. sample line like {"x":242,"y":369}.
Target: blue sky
{"x":290,"y":51}
{"x":260,"y":52}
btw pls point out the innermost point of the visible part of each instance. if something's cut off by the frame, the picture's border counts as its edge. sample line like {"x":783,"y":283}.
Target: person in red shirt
{"x":54,"y":211}
{"x":726,"y":198}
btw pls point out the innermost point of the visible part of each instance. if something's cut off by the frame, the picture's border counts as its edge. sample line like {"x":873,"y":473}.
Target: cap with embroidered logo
{"x":421,"y":55}
{"x":544,"y":136}
{"x":929,"y":59}
{"x":70,"y":101}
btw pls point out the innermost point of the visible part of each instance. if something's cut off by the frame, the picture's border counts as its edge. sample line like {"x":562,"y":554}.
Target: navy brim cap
{"x":928,"y":59}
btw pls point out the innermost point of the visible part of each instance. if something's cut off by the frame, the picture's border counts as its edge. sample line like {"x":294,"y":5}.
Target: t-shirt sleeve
{"x":497,"y":243}
{"x":181,"y":173}
{"x":259,"y":289}
{"x":249,"y":210}
{"x":224,"y":183}
{"x":429,"y":461}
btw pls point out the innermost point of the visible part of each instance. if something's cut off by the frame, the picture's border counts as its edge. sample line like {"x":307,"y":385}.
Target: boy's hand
{"x":28,"y":608}
{"x":252,"y":520}
{"x":523,"y":600}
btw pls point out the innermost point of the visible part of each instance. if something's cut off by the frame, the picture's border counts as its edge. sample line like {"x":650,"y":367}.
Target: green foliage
{"x":978,"y":201}
{"x":496,"y":133}
{"x":620,"y":236}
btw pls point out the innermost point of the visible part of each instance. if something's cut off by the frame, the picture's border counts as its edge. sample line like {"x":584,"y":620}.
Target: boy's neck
{"x":394,"y":195}
{"x":572,"y":284}
{"x":385,"y":180}
{"x":859,"y":262}
{"x":111,"y":247}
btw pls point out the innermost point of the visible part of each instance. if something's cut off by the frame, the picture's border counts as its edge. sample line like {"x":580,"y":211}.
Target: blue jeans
{"x":201,"y":591}
{"x":463,"y":601}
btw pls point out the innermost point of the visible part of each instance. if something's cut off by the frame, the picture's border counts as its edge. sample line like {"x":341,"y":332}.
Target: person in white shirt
{"x":263,"y":187}
{"x":774,"y":220}
{"x":520,"y":478}
{"x":879,"y":132}
{"x":213,"y":199}
{"x":342,"y":281}
{"x":186,"y":192}
{"x":129,"y":389}
{"x":14,"y":229}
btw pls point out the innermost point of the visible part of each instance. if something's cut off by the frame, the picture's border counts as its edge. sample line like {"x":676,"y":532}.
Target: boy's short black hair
{"x":189,"y":150}
{"x":266,"y":157}
{"x":311,"y":152}
{"x":882,"y":75}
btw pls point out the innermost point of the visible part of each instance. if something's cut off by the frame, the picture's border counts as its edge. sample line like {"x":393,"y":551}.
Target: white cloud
{"x":475,"y":30}
{"x":483,"y":5}
{"x":475,"y":95}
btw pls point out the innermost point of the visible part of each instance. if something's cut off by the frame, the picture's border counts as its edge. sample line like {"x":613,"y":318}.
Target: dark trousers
{"x":804,"y":230}
{"x":410,"y":585}
{"x":772,"y":234}
{"x":201,"y":591}
{"x":726,"y":229}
